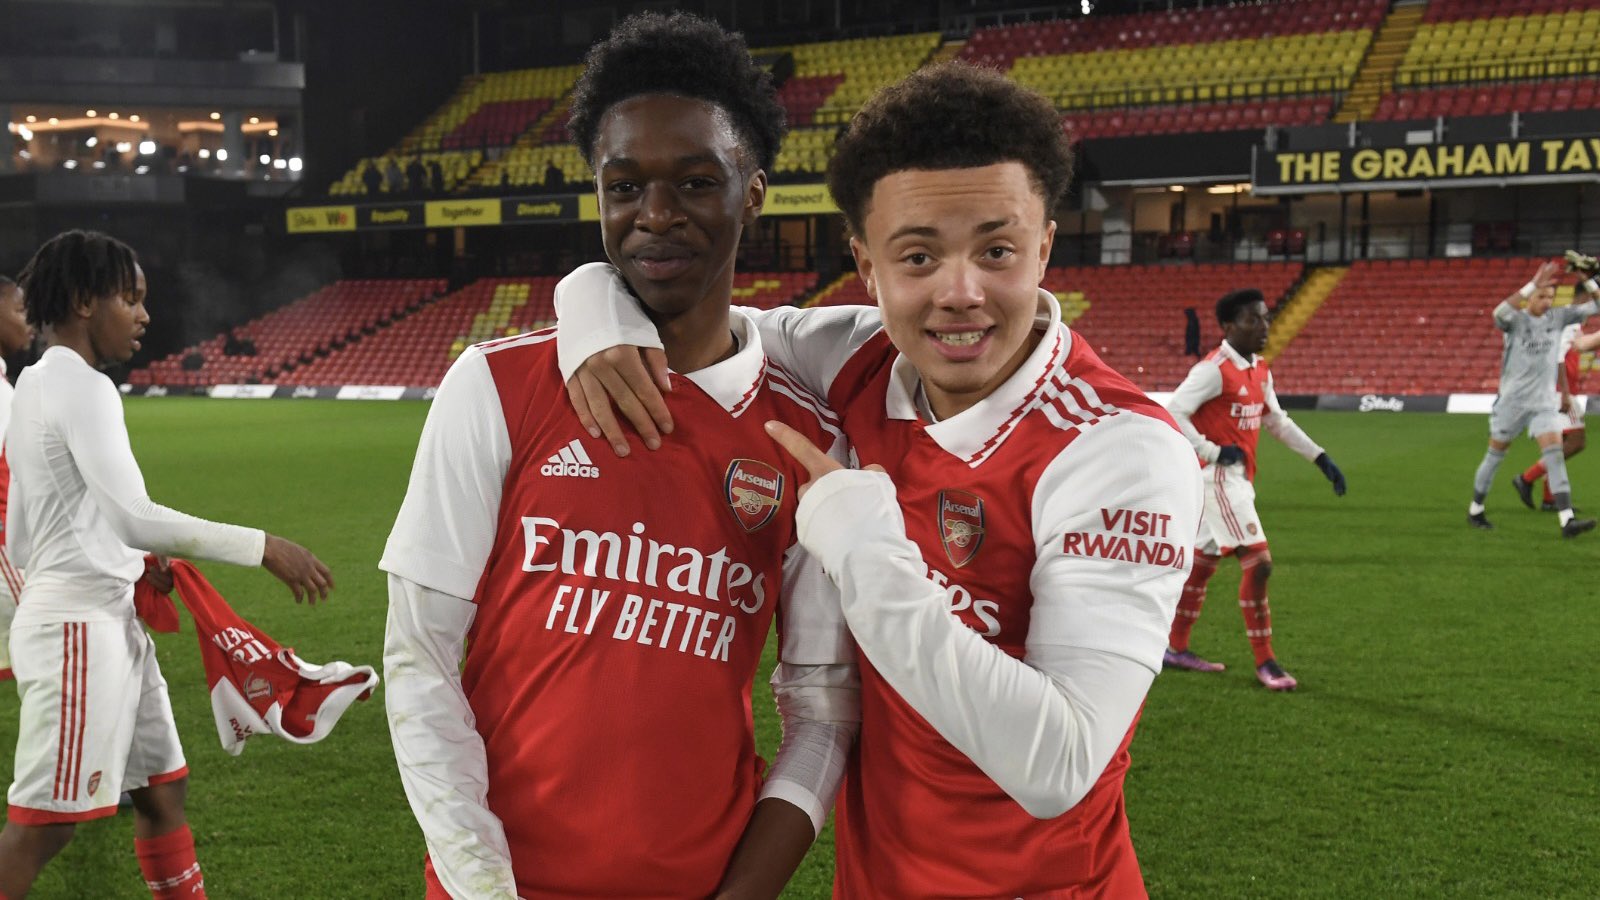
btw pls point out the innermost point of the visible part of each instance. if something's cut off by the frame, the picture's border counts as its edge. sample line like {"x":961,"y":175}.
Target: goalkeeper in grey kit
{"x":1528,"y":397}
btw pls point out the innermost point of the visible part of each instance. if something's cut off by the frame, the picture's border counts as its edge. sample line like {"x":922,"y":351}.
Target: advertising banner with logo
{"x":1531,"y":161}
{"x":539,"y":209}
{"x":450,"y":213}
{"x":309,"y":219}
{"x":389,"y":215}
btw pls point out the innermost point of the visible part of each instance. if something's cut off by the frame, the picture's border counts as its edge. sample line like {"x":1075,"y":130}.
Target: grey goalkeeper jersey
{"x":1533,"y":352}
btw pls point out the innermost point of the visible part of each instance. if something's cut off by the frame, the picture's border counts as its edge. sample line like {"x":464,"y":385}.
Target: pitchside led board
{"x":782,"y":200}
{"x":1473,"y":164}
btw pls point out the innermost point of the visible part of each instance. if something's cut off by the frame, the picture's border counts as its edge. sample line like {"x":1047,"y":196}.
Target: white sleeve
{"x":445,"y":530}
{"x":97,"y":437}
{"x":440,"y":754}
{"x":1203,"y":382}
{"x":1286,"y":429}
{"x":1043,"y":727}
{"x":17,"y":545}
{"x":817,"y":687}
{"x":597,"y":312}
{"x":1580,"y":312}
{"x":1505,"y":315}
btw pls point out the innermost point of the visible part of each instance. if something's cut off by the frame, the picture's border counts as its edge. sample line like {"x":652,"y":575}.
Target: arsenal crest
{"x":94,"y":783}
{"x":257,"y":687}
{"x":960,"y":525}
{"x":754,"y":491}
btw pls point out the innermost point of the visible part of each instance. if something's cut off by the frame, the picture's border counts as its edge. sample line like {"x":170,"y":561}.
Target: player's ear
{"x":1048,"y":241}
{"x":755,"y":197}
{"x":864,"y":267}
{"x":82,"y":305}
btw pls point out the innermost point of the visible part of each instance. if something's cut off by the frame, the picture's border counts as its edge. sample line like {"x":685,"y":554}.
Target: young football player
{"x":1574,"y":435}
{"x":95,"y":718}
{"x":1527,"y":398}
{"x":1222,"y":405}
{"x":15,"y":336}
{"x":612,"y":611}
{"x":1011,"y":570}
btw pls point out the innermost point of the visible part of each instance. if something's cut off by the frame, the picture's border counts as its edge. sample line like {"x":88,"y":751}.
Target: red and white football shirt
{"x":621,"y":609}
{"x":1007,"y":646}
{"x":1227,"y":399}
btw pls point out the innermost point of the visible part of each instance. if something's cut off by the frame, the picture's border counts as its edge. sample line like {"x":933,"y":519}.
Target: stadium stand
{"x":336,"y":313}
{"x":1240,"y":52}
{"x":1407,"y":327}
{"x":1192,"y":118}
{"x":395,"y":333}
{"x":1552,"y":95}
{"x":492,"y":110}
{"x":1133,"y":315}
{"x":1479,"y":40}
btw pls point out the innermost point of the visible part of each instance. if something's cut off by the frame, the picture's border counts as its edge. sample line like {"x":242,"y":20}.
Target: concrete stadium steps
{"x":1300,"y":306}
{"x":1383,"y":58}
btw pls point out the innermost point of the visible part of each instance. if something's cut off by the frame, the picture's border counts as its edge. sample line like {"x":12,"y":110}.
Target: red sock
{"x":1548,"y":497}
{"x":1253,"y":600}
{"x":1534,"y":473}
{"x":1190,"y":601}
{"x":169,"y":866}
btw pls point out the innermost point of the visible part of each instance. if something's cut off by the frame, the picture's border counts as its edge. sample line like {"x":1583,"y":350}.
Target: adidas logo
{"x":572,"y":462}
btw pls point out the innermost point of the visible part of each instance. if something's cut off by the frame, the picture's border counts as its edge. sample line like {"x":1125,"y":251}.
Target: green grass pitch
{"x":1443,"y":745}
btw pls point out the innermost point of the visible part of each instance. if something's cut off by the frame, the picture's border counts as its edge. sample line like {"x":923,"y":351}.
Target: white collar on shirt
{"x":1236,"y":357}
{"x":733,"y":381}
{"x":986,"y":423}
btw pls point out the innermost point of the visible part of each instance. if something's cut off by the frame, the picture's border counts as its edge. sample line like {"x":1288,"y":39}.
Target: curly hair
{"x":681,"y":54}
{"x":1231,"y":303}
{"x":74,"y":265}
{"x":949,"y":116}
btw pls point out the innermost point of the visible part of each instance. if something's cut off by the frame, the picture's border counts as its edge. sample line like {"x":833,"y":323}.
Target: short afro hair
{"x":1231,"y":303}
{"x":681,"y":54}
{"x":74,"y":265}
{"x":949,"y":116}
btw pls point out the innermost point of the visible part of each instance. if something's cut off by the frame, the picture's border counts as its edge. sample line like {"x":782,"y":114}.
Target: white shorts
{"x":96,"y":720}
{"x":1229,"y":520}
{"x":1507,"y":421}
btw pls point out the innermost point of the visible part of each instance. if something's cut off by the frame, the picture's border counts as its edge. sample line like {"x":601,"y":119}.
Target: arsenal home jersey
{"x":970,"y":498}
{"x":621,"y":612}
{"x":1233,"y":414}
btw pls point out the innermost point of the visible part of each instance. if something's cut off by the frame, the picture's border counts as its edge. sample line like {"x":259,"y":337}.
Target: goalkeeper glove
{"x":1230,"y":455}
{"x":1333,"y":474}
{"x":1587,"y":266}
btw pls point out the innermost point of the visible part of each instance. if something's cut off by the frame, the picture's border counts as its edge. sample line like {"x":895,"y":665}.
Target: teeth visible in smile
{"x":959,"y":338}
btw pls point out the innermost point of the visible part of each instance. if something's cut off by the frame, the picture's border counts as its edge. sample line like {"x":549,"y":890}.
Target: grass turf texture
{"x":1442,"y":744}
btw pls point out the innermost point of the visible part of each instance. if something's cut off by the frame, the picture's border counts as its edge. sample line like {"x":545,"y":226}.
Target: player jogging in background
{"x":598,"y":741}
{"x":95,"y":715}
{"x":1574,"y":437}
{"x":1010,"y":572}
{"x":1528,"y":398}
{"x":1222,"y":405}
{"x":15,"y":336}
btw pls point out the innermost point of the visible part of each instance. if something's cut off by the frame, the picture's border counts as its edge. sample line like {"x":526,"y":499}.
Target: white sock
{"x":1565,"y":516}
{"x":1474,"y":508}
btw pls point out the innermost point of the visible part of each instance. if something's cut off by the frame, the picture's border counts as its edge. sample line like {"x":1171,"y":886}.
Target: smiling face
{"x":116,"y":322}
{"x":1248,"y":330}
{"x":954,"y":258}
{"x":674,"y":199}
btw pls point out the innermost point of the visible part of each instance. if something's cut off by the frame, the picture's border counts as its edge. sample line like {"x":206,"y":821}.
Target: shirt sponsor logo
{"x":754,"y":490}
{"x":699,"y":618}
{"x":1128,"y":535}
{"x":571,"y":462}
{"x":1248,"y":415}
{"x":960,"y":525}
